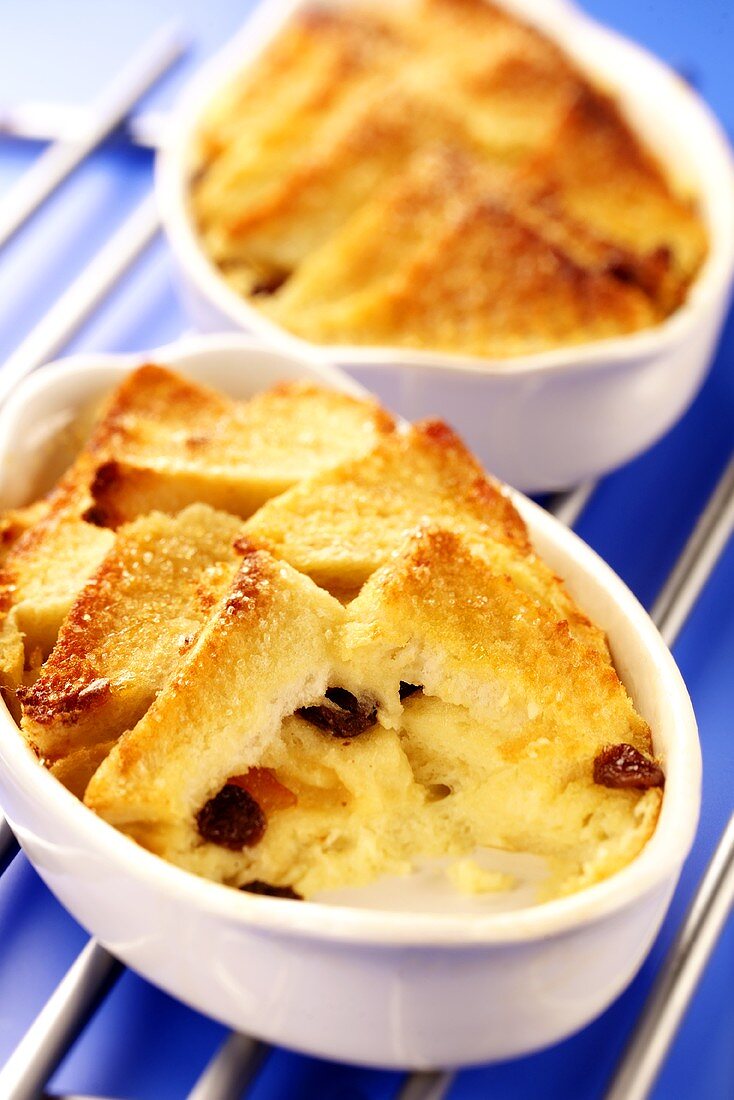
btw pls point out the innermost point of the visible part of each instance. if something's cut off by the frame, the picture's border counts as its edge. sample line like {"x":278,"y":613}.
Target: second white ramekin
{"x":540,"y":422}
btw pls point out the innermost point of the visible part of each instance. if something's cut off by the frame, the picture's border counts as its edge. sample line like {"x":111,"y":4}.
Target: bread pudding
{"x":437,"y":175}
{"x":295,"y":647}
{"x":161,"y":442}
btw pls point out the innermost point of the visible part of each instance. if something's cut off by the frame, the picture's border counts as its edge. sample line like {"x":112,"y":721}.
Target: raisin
{"x":343,"y":714}
{"x":406,"y":690}
{"x":268,"y":284}
{"x":344,"y":699}
{"x":97,"y":516}
{"x":436,"y":792}
{"x":623,"y":766}
{"x":232,"y":819}
{"x":270,"y":891}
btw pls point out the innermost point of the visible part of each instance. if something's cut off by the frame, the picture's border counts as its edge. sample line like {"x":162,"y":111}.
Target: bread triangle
{"x":126,"y":630}
{"x":233,"y":455}
{"x":342,"y":525}
{"x":266,"y":650}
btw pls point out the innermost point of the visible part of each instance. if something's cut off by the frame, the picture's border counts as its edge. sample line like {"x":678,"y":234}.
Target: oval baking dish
{"x":544,"y":421}
{"x":396,"y":987}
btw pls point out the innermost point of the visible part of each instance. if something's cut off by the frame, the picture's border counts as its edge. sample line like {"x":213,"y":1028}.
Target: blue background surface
{"x":141,"y":1044}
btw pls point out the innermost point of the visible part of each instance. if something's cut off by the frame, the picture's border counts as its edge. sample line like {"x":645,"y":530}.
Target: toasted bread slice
{"x":13,"y":526}
{"x":40,"y":578}
{"x":305,"y":70}
{"x":341,"y":526}
{"x":514,"y":84}
{"x":12,"y":665}
{"x":384,"y":232}
{"x":388,"y":241}
{"x":492,"y":281}
{"x":153,"y":411}
{"x":16,"y":521}
{"x":51,"y":559}
{"x":513,"y":713}
{"x":255,"y":133}
{"x":499,"y":748}
{"x":360,"y":153}
{"x":126,"y":630}
{"x":76,"y":769}
{"x":481,"y":637}
{"x":266,"y":651}
{"x":595,"y":170}
{"x":237,"y":460}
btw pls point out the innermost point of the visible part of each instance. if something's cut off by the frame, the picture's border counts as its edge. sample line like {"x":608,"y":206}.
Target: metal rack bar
{"x":567,"y":507}
{"x":60,"y":159}
{"x":83,"y":296}
{"x":46,"y":122}
{"x":8,"y":845}
{"x":59,"y":1022}
{"x":695,"y":564}
{"x":231,"y":1070}
{"x":94,"y":971}
{"x":426,"y":1086}
{"x":72,"y":1096}
{"x":678,"y":977}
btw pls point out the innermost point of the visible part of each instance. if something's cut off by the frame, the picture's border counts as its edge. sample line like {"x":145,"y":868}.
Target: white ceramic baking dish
{"x":546,"y":421}
{"x":395,"y":988}
{"x":415,"y":986}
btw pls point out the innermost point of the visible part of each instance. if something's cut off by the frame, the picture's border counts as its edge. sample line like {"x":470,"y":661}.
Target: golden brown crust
{"x":151,"y":398}
{"x":450,"y":286}
{"x":317,"y":210}
{"x":64,"y":694}
{"x":341,"y":525}
{"x":250,"y":592}
{"x":125,"y":632}
{"x":487,"y":627}
{"x":610,"y":183}
{"x":238,"y":458}
{"x":262,"y":654}
{"x":16,"y":522}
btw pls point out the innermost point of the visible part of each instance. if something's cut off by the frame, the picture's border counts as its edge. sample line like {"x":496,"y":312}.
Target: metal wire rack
{"x":237,"y":1063}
